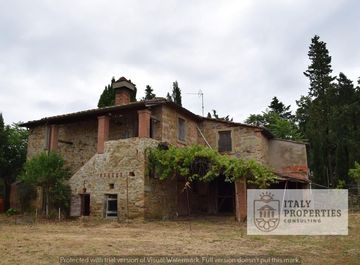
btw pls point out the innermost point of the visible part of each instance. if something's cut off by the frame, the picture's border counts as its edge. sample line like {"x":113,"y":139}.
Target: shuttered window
{"x":181,"y":129}
{"x":224,"y":143}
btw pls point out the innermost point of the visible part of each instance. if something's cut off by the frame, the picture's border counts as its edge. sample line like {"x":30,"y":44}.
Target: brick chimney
{"x":123,"y":91}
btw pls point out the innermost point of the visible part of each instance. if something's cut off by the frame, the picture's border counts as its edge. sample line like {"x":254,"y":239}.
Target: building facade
{"x":105,"y":149}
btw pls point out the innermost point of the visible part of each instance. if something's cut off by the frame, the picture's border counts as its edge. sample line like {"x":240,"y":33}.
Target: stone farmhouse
{"x":105,"y":148}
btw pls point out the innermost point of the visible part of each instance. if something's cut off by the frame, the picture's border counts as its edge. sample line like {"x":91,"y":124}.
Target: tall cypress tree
{"x":107,"y":97}
{"x":176,"y":93}
{"x":318,"y":126}
{"x":341,"y":125}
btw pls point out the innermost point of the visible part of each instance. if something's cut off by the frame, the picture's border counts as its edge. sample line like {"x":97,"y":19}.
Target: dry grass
{"x":43,"y":243}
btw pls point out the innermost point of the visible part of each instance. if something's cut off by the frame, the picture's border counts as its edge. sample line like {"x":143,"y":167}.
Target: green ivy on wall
{"x":199,"y":163}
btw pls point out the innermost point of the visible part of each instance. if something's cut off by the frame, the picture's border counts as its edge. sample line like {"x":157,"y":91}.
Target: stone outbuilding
{"x":105,"y":148}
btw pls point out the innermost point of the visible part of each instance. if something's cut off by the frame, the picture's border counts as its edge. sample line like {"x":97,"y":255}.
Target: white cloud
{"x":57,"y":57}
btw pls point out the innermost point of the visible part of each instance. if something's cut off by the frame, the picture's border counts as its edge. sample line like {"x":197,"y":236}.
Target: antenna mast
{"x":200,"y":94}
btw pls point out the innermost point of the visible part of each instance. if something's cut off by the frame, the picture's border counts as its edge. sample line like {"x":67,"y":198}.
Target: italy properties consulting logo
{"x":297,"y":212}
{"x":266,"y":212}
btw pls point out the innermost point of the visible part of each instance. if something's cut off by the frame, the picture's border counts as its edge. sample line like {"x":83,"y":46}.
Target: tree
{"x":355,"y":172}
{"x":49,"y":172}
{"x":3,"y":142}
{"x":278,"y":119}
{"x":216,"y":116}
{"x":168,"y":97}
{"x":341,"y":126}
{"x":107,"y":97}
{"x":282,"y":128}
{"x":149,"y":93}
{"x":257,"y":120}
{"x":278,"y":107}
{"x":176,"y":93}
{"x":318,"y":125}
{"x":302,"y":113}
{"x":133,"y":94}
{"x":319,"y":71}
{"x":13,"y":145}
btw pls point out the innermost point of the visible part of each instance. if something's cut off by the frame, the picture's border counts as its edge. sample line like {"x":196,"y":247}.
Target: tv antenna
{"x":200,"y":94}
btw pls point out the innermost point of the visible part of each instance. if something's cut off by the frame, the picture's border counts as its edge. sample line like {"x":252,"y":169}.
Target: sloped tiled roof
{"x":70,"y":117}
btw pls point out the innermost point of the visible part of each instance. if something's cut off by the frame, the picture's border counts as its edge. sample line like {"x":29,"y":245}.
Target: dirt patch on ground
{"x":43,"y":243}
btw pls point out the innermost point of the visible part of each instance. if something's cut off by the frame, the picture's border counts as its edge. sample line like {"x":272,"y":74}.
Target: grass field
{"x":44,"y":242}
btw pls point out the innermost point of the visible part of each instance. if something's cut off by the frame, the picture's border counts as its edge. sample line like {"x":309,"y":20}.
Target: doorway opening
{"x":206,"y":198}
{"x":85,"y":204}
{"x":111,"y":206}
{"x":225,"y":197}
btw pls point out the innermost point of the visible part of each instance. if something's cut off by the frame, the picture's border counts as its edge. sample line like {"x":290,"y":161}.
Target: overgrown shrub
{"x":60,"y":195}
{"x":11,"y":211}
{"x":48,"y":171}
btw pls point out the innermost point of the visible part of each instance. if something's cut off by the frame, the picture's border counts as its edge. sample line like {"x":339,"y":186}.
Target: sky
{"x":57,"y":56}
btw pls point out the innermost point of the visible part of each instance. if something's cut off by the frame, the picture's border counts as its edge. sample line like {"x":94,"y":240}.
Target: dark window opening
{"x":111,"y":186}
{"x":225,"y":144}
{"x":111,"y":205}
{"x":85,"y":204}
{"x":181,"y":129}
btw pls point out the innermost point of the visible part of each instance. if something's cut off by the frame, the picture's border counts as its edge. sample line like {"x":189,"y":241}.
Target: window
{"x":224,"y":144}
{"x":181,"y":129}
{"x":111,"y":205}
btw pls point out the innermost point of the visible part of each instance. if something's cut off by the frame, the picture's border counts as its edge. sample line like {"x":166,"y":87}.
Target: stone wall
{"x":247,"y":142}
{"x":160,"y":198}
{"x":169,"y":125}
{"x":36,"y":141}
{"x":77,"y":143}
{"x":123,"y":165}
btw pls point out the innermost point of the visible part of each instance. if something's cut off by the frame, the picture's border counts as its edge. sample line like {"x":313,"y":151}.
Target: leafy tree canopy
{"x":278,"y":119}
{"x":13,"y":146}
{"x":49,"y":172}
{"x":355,"y":172}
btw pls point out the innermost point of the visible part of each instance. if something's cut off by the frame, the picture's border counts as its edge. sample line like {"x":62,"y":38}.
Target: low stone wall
{"x":120,"y":170}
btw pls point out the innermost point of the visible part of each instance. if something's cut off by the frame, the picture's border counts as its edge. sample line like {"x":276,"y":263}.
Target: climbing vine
{"x":199,"y":163}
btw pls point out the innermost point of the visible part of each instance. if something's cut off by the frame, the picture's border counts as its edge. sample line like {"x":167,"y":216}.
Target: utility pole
{"x":200,"y":94}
